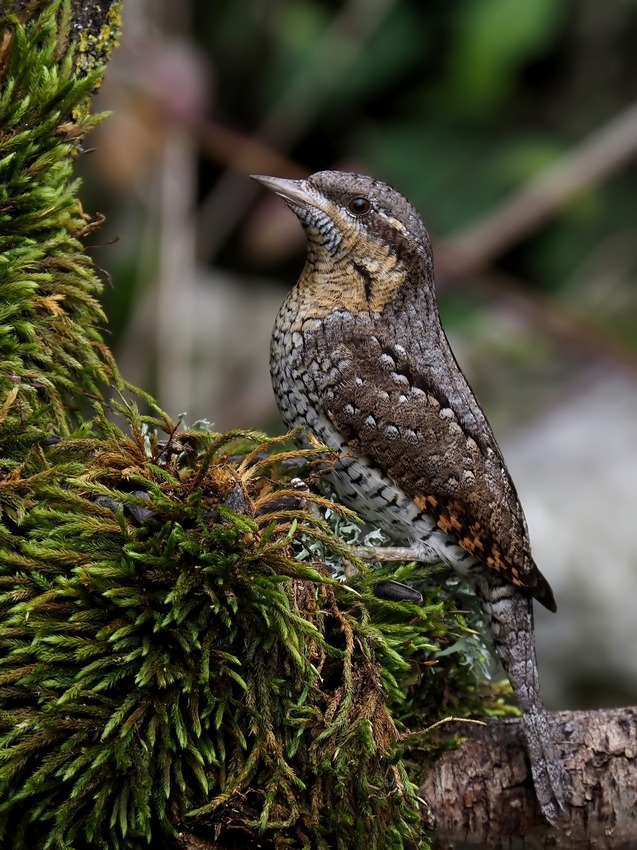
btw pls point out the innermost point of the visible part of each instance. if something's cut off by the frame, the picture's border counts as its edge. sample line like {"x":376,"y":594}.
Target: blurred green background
{"x":511,"y":125}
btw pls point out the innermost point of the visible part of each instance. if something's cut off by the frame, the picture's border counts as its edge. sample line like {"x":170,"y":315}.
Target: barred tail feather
{"x":510,"y":616}
{"x":549,"y":778}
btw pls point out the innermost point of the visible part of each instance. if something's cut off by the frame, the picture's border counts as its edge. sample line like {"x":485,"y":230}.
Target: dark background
{"x":512,"y":127}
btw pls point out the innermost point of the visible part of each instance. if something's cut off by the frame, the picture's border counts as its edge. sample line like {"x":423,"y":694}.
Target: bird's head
{"x":350,"y":216}
{"x":367,"y":246}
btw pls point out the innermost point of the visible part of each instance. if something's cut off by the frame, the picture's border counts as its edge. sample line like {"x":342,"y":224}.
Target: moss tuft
{"x":52,"y":354}
{"x":151,"y":672}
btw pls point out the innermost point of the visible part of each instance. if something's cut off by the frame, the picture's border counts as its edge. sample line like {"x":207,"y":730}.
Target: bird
{"x":359,"y":360}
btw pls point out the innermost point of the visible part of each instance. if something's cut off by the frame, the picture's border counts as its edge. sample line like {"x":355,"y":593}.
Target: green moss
{"x":177,"y":670}
{"x":167,"y":661}
{"x":52,"y":356}
{"x":150,"y":670}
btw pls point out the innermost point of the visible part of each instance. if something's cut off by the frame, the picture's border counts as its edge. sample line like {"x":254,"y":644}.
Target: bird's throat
{"x":351,"y":283}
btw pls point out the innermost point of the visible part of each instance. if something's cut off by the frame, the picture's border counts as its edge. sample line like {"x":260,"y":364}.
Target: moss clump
{"x":52,"y":356}
{"x":148,"y":670}
{"x":165,"y":661}
{"x":167,"y":664}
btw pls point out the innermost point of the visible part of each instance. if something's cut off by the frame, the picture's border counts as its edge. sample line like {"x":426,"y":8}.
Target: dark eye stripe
{"x":398,"y":241}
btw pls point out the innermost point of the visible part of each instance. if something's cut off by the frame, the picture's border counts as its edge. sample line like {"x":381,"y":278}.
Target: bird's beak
{"x":294,"y":192}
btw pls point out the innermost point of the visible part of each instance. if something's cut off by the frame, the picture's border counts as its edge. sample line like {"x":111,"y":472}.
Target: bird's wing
{"x":390,"y":411}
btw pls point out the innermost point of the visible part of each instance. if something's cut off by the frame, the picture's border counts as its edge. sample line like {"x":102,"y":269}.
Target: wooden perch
{"x":481,"y":794}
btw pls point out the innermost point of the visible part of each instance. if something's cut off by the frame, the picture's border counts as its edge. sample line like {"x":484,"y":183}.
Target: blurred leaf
{"x":393,"y":51}
{"x":494,"y":38}
{"x":530,"y":155}
{"x":297,"y":29}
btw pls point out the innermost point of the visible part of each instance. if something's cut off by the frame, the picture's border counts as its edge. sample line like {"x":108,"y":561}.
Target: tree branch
{"x":602,"y":153}
{"x":481,"y":794}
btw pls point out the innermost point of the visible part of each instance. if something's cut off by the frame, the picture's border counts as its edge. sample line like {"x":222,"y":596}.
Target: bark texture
{"x":481,"y":795}
{"x":94,"y":26}
{"x":89,"y":17}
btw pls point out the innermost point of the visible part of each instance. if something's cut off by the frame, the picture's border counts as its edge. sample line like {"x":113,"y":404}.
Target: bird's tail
{"x":510,"y":616}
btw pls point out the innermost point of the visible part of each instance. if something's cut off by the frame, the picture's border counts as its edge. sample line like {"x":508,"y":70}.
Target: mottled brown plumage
{"x":360,"y":359}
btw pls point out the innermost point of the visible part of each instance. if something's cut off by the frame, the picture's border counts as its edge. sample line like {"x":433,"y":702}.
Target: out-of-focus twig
{"x":176,"y":273}
{"x":595,"y":158}
{"x":220,"y":144}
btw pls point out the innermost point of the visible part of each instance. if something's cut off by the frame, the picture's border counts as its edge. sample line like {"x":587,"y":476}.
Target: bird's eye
{"x":359,"y":206}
